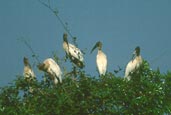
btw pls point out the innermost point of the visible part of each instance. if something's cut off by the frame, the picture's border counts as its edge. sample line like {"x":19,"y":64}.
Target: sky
{"x":120,"y":25}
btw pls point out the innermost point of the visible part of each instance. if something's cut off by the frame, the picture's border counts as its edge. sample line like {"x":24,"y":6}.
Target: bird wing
{"x":54,"y":69}
{"x":76,"y":53}
{"x":139,"y":61}
{"x":128,"y":70}
{"x":131,"y":66}
{"x":28,"y":72}
{"x":101,"y":63}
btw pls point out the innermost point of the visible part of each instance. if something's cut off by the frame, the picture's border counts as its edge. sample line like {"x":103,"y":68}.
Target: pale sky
{"x":120,"y":25}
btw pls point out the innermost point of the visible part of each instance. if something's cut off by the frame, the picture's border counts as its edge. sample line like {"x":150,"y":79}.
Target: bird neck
{"x":65,"y":46}
{"x":99,"y":48}
{"x":99,"y":51}
{"x":136,"y":57}
{"x":27,"y":65}
{"x":138,"y":54}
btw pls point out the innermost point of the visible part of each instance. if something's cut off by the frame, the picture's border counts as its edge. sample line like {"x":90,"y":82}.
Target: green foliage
{"x":148,"y":92}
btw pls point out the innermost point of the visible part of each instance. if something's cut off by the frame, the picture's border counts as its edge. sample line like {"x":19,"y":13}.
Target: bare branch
{"x":55,"y":12}
{"x":30,"y":48}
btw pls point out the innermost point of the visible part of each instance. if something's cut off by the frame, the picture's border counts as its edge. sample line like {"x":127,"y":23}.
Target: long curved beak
{"x":93,"y":48}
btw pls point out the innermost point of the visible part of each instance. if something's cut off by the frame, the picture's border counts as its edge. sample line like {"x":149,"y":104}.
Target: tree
{"x":148,"y":92}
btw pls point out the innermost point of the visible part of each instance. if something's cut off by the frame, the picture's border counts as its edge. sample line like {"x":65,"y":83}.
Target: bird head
{"x":65,"y":38}
{"x":42,"y":67}
{"x":97,"y":45}
{"x":25,"y":60}
{"x":136,"y":52}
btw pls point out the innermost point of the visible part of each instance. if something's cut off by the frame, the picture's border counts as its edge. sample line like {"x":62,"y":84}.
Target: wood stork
{"x":101,"y":58}
{"x":28,"y":72}
{"x":52,"y":68}
{"x":134,"y":64}
{"x":75,"y":54}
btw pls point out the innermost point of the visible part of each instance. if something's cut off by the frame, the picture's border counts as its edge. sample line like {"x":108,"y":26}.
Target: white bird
{"x":101,"y":59}
{"x":75,"y":54}
{"x":134,"y":64}
{"x":52,"y":68}
{"x":28,"y":72}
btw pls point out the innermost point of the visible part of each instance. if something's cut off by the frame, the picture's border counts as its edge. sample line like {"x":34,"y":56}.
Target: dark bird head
{"x":97,"y":45}
{"x":25,"y":60}
{"x":136,"y":52}
{"x":65,"y":38}
{"x":42,"y":67}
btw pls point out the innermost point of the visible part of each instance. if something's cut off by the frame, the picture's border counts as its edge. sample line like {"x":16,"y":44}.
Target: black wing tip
{"x":81,"y":65}
{"x":77,"y":62}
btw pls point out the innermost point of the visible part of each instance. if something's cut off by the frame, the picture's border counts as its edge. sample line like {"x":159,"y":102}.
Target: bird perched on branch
{"x":52,"y":68}
{"x":134,"y":64}
{"x":28,"y":72}
{"x":75,"y":54}
{"x":101,"y":58}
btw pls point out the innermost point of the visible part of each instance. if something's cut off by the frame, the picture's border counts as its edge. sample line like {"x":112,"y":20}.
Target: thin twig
{"x":30,"y":48}
{"x":57,"y":16}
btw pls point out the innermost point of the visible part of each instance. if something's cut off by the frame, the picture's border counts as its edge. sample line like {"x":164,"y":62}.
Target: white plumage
{"x":134,"y":64}
{"x":101,"y":59}
{"x":75,"y":54}
{"x":28,"y":72}
{"x":53,"y":69}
